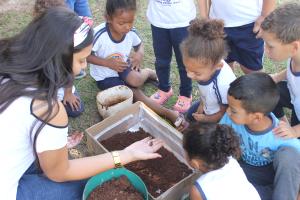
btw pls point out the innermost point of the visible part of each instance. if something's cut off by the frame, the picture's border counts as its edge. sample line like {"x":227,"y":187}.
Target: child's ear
{"x":107,"y":18}
{"x":295,"y":47}
{"x":257,"y":117}
{"x":219,"y":65}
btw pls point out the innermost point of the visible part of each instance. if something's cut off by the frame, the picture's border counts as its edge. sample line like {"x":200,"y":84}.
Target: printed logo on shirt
{"x":117,"y":56}
{"x":167,"y":2}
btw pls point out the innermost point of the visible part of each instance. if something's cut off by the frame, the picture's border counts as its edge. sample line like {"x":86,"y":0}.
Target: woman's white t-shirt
{"x":16,"y":143}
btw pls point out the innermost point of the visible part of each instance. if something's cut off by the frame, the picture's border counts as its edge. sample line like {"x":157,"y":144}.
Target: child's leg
{"x":261,"y":178}
{"x":245,"y":48}
{"x":284,"y":101}
{"x":75,"y":113}
{"x":287,"y":173}
{"x":163,"y":53}
{"x":34,"y":185}
{"x":138,"y":78}
{"x":177,"y":36}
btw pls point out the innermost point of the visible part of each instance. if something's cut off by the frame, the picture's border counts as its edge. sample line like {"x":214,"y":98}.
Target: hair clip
{"x":82,"y":32}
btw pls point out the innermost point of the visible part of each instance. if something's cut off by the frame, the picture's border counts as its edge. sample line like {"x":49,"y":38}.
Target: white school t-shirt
{"x":236,"y":12}
{"x":104,"y":46}
{"x":170,"y":14}
{"x":293,"y":82}
{"x":213,"y":92}
{"x":16,"y":147}
{"x":227,"y":183}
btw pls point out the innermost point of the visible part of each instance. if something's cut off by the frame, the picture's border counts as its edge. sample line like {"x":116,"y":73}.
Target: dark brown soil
{"x":117,"y":189}
{"x":159,"y":174}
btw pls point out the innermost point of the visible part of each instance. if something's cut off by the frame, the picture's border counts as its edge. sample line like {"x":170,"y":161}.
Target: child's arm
{"x":70,"y":98}
{"x":137,"y":56}
{"x":204,"y":6}
{"x":267,"y":8}
{"x":280,"y":76}
{"x":195,"y":194}
{"x":112,"y":63}
{"x":199,"y":116}
{"x":284,"y":130}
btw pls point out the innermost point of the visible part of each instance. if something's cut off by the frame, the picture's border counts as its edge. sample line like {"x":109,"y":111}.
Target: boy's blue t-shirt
{"x":258,"y":148}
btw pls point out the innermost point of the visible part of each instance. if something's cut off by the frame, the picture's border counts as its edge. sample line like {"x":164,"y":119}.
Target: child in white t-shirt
{"x":242,"y":22}
{"x":213,"y":150}
{"x":112,"y":62}
{"x":203,"y":52}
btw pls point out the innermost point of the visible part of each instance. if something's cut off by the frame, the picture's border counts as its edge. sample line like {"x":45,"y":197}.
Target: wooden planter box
{"x":140,"y":116}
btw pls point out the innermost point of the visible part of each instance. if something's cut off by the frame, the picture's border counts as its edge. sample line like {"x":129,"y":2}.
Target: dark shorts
{"x":244,"y":47}
{"x":114,"y":81}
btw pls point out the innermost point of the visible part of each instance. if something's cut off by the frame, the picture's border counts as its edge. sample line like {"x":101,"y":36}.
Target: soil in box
{"x":116,"y":189}
{"x":159,"y":174}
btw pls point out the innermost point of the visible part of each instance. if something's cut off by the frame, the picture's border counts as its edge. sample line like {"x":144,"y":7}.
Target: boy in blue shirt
{"x":270,"y":163}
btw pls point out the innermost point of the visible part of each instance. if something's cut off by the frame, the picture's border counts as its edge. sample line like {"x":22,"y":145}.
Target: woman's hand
{"x":145,"y":149}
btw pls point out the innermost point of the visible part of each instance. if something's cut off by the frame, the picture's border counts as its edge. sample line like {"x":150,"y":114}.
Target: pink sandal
{"x":161,"y":97}
{"x":183,"y":104}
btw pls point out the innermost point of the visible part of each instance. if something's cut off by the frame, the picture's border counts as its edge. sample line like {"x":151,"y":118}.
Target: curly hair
{"x":205,"y":41}
{"x":212,"y":143}
{"x":41,"y":6}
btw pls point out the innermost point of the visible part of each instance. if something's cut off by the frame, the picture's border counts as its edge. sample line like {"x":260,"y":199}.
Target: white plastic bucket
{"x":114,"y":99}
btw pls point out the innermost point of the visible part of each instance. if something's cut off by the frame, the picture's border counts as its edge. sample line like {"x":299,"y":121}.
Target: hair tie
{"x":82,"y":32}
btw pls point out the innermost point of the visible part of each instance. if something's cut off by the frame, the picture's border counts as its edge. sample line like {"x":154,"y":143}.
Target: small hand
{"x":72,"y":100}
{"x":284,"y":131}
{"x":136,"y":59}
{"x":116,"y":64}
{"x":257,"y":24}
{"x":199,"y":117}
{"x":74,"y":139}
{"x":145,"y":149}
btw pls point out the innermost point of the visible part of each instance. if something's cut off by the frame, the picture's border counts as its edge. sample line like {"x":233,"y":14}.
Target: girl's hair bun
{"x":209,"y":29}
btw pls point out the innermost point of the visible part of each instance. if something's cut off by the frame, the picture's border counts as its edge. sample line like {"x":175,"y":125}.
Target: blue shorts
{"x":245,"y":48}
{"x":114,"y":81}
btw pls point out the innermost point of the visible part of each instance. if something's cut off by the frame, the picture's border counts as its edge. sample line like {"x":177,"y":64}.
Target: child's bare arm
{"x":201,"y":117}
{"x":114,"y":64}
{"x":280,"y":76}
{"x":267,"y":8}
{"x":204,"y":6}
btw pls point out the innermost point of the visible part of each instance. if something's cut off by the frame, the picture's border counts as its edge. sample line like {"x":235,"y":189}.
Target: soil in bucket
{"x":116,"y":189}
{"x":158,"y":174}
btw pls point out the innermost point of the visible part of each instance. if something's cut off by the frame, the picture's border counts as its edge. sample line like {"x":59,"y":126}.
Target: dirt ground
{"x":7,"y":5}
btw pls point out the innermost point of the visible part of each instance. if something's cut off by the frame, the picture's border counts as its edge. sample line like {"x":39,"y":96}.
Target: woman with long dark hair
{"x":34,"y":64}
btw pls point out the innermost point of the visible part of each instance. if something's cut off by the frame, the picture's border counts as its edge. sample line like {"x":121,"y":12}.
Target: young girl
{"x":34,"y":64}
{"x":213,"y":149}
{"x":203,"y":52}
{"x":112,"y":63}
{"x":169,"y":21}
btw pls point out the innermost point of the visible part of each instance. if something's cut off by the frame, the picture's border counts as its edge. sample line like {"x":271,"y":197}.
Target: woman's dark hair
{"x":205,"y":41}
{"x":38,"y":61}
{"x":212,"y":143}
{"x":113,"y":5}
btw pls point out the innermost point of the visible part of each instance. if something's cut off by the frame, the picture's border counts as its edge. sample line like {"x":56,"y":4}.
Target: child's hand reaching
{"x":136,"y":59}
{"x":116,"y":64}
{"x":198,"y":115}
{"x":72,"y":100}
{"x":285,"y":131}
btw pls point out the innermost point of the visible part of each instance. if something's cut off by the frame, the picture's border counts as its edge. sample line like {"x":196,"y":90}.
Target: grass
{"x":12,"y":21}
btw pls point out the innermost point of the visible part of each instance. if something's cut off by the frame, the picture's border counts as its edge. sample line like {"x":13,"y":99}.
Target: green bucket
{"x":98,"y":179}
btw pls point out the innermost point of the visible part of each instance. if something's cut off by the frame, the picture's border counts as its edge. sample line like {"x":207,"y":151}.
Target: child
{"x":203,"y":52}
{"x":111,"y":63}
{"x":270,"y":163}
{"x":242,"y":22}
{"x":213,"y":149}
{"x":35,"y":123}
{"x":281,"y":33}
{"x":169,"y":21}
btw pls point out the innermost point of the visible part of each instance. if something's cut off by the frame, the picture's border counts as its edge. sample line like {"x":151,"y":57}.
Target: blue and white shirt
{"x":213,"y":93}
{"x":104,"y":46}
{"x":258,"y":148}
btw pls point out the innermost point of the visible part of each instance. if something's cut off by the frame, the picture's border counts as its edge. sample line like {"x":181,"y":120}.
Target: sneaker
{"x":183,"y":104}
{"x":161,"y":97}
{"x":80,"y":75}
